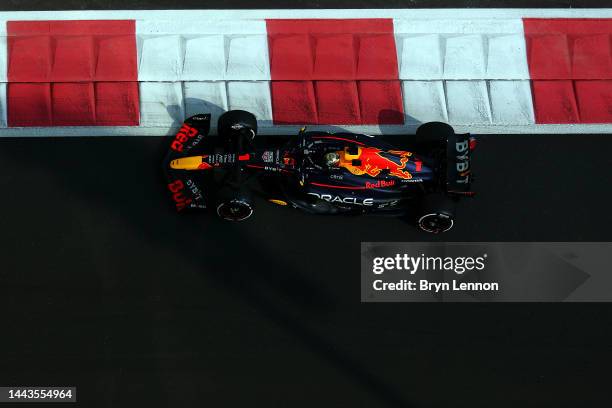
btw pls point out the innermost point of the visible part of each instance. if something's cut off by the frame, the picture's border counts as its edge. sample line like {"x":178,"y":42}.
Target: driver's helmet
{"x":331,"y":159}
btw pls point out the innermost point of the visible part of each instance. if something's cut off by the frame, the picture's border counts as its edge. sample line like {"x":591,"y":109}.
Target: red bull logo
{"x":176,"y":188}
{"x":185,"y":133}
{"x":380,"y":184}
{"x":372,"y":161}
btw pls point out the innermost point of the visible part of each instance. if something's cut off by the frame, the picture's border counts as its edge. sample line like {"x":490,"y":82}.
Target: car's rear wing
{"x":458,"y":163}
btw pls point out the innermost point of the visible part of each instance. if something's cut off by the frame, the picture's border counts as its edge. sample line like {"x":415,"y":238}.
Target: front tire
{"x":437,"y":213}
{"x":237,"y":123}
{"x":234,"y":205}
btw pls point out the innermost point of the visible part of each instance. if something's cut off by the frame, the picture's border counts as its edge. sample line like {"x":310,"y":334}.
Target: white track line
{"x":98,"y":131}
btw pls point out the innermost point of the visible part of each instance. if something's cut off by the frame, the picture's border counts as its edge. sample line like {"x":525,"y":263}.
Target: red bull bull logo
{"x":372,"y":161}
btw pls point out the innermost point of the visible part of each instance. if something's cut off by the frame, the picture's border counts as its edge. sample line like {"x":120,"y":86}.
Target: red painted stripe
{"x":82,"y":73}
{"x":294,"y":103}
{"x":338,"y":102}
{"x":332,"y":71}
{"x":554,"y":102}
{"x":377,"y":94}
{"x":29,"y":104}
{"x":72,"y":27}
{"x":570,"y":61}
{"x":73,"y":104}
{"x":76,"y":51}
{"x":117,"y":103}
{"x":594,"y":99}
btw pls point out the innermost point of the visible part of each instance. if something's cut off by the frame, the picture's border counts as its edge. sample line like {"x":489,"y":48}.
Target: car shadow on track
{"x":109,"y":193}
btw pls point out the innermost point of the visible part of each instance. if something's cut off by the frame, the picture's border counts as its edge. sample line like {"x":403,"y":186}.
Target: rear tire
{"x":434,"y":132}
{"x":237,"y":123}
{"x":437,"y":213}
{"x":233,"y":205}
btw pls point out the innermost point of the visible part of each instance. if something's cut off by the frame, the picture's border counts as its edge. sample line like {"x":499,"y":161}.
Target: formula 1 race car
{"x":318,"y":172}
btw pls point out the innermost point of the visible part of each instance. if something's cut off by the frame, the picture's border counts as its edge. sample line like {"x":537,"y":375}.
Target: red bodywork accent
{"x":473,"y":143}
{"x":176,"y":188}
{"x":372,"y":161}
{"x":380,"y":184}
{"x":185,"y":133}
{"x":418,"y":165}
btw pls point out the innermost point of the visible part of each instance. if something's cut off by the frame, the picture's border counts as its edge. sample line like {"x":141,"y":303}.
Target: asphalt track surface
{"x":103,"y":287}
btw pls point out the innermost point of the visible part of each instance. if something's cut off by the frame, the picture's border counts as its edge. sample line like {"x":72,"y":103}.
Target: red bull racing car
{"x":318,"y":172}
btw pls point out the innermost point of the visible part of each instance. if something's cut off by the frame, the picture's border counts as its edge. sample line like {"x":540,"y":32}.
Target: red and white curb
{"x":373,"y":71}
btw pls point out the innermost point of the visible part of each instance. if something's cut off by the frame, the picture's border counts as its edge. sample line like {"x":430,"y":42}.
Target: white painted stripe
{"x":465,"y":53}
{"x":247,"y":58}
{"x":3,"y":106}
{"x":458,"y":24}
{"x":461,"y":49}
{"x":161,"y":104}
{"x":292,"y":130}
{"x":507,"y":57}
{"x":205,"y":58}
{"x":3,"y":74}
{"x":468,"y":102}
{"x":3,"y":52}
{"x":511,"y":102}
{"x":465,"y":57}
{"x":195,"y":50}
{"x":253,"y":97}
{"x":424,"y":101}
{"x":195,"y":23}
{"x":420,"y":56}
{"x":209,"y":97}
{"x":161,"y":59}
